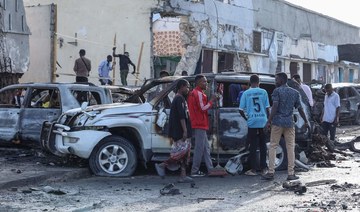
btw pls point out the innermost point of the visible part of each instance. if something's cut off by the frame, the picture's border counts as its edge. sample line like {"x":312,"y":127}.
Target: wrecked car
{"x":349,"y":94}
{"x":115,"y":137}
{"x":24,"y":107}
{"x":121,"y":93}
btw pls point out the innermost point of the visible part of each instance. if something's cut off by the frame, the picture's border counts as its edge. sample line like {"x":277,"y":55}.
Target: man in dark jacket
{"x":124,"y":62}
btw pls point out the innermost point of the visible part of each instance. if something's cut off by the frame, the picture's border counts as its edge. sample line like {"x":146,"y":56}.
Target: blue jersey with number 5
{"x":254,"y":102}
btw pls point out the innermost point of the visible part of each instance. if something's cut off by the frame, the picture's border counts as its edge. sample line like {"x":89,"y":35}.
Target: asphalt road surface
{"x":328,"y":189}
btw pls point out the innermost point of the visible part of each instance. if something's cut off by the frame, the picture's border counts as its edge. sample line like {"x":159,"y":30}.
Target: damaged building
{"x":200,"y":36}
{"x":14,"y":42}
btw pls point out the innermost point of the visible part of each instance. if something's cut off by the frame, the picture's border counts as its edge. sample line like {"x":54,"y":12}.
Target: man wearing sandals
{"x":255,"y":102}
{"x":179,"y":133}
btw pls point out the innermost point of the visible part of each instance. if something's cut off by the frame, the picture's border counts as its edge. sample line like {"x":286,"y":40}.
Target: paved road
{"x":66,"y":191}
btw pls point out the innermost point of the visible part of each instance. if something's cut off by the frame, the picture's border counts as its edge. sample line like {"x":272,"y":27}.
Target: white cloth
{"x":308,"y":93}
{"x":330,"y":104}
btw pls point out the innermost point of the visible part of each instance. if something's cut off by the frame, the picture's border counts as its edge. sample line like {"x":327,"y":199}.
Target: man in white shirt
{"x":305,"y":88}
{"x":330,"y":114}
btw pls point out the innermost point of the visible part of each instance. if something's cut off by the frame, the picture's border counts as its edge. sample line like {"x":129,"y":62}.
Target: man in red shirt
{"x":198,"y":110}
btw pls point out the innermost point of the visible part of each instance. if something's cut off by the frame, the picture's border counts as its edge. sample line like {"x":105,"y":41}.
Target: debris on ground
{"x":202,"y":199}
{"x":169,"y":189}
{"x":295,"y":186}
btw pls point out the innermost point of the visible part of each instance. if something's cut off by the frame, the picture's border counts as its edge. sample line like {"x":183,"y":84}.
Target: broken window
{"x":93,"y":98}
{"x":13,"y":97}
{"x":207,"y":61}
{"x":225,"y":62}
{"x":44,"y":98}
{"x":257,"y":41}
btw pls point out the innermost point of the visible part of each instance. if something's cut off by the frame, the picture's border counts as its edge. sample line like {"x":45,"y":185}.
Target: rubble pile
{"x":320,"y":152}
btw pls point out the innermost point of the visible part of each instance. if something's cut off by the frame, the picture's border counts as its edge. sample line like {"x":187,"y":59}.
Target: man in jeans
{"x":255,"y":102}
{"x":285,"y":99}
{"x":198,"y":109}
{"x":330,"y":114}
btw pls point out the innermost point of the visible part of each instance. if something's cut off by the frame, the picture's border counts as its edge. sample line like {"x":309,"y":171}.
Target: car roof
{"x":224,"y":76}
{"x":344,"y":84}
{"x":50,"y":85}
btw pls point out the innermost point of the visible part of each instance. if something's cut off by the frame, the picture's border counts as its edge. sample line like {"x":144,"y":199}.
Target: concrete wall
{"x":14,"y":38}
{"x":298,"y":22}
{"x":39,"y":19}
{"x":96,"y":23}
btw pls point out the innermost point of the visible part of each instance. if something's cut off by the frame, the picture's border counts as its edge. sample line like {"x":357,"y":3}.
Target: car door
{"x":11,"y":106}
{"x":231,"y":127}
{"x":43,"y":104}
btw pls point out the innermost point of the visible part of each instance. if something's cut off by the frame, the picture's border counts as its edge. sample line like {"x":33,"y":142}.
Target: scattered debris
{"x":169,"y":189}
{"x":295,"y":186}
{"x":202,"y":199}
{"x":320,"y":182}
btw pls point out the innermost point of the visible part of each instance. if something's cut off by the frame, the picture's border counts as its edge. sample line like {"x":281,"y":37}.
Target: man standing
{"x":179,"y":132}
{"x":104,"y":68}
{"x":82,"y":67}
{"x":124,"y":62}
{"x":255,"y":102}
{"x":305,"y":88}
{"x":198,"y":109}
{"x":285,"y":99}
{"x":330,"y":114}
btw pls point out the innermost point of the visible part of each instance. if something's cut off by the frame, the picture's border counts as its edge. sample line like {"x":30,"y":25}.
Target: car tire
{"x":114,"y":156}
{"x":357,"y":117}
{"x":281,"y":160}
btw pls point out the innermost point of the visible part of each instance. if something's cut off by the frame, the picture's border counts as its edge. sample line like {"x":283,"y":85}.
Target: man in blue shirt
{"x":255,"y":102}
{"x":285,"y":99}
{"x":104,"y":68}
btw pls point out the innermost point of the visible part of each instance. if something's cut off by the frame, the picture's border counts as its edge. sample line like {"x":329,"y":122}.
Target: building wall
{"x":14,"y":40}
{"x":39,"y":19}
{"x":95,"y":24}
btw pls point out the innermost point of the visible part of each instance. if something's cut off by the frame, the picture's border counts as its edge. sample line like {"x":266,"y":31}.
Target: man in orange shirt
{"x":198,"y":109}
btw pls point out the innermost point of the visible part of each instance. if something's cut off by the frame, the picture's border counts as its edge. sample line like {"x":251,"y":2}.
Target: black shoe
{"x":268,"y":176}
{"x":292,"y":177}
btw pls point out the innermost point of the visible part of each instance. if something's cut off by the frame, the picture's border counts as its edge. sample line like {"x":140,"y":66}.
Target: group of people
{"x":82,"y":67}
{"x":190,"y":118}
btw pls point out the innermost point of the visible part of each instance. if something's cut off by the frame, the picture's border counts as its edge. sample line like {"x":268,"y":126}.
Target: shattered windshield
{"x":156,"y":90}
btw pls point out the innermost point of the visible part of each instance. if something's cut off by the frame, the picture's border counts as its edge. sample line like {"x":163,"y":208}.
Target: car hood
{"x":114,"y":108}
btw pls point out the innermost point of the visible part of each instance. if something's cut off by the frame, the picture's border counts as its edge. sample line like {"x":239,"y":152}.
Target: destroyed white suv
{"x":115,"y":137}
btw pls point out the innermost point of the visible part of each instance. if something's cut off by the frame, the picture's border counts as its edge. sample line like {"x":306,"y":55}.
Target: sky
{"x":344,"y":10}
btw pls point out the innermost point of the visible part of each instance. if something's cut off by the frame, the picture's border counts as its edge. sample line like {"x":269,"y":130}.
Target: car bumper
{"x":79,"y":143}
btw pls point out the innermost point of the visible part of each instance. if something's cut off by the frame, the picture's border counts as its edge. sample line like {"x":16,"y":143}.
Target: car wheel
{"x":355,"y":145}
{"x":114,"y":156}
{"x":281,"y":156}
{"x":357,"y":117}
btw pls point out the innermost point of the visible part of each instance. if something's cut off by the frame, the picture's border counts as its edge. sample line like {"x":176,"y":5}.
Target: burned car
{"x":24,"y":107}
{"x":349,"y":94}
{"x":115,"y":137}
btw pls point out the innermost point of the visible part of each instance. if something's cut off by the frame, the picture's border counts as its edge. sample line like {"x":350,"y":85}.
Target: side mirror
{"x":84,"y":105}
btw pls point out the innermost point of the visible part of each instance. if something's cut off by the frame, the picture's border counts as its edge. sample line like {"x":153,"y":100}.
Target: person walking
{"x":179,"y":133}
{"x":330,"y":114}
{"x":255,"y":102}
{"x":285,"y":99}
{"x":198,"y":109}
{"x":306,"y":89}
{"x":104,"y":68}
{"x":124,"y":62}
{"x":82,"y":67}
